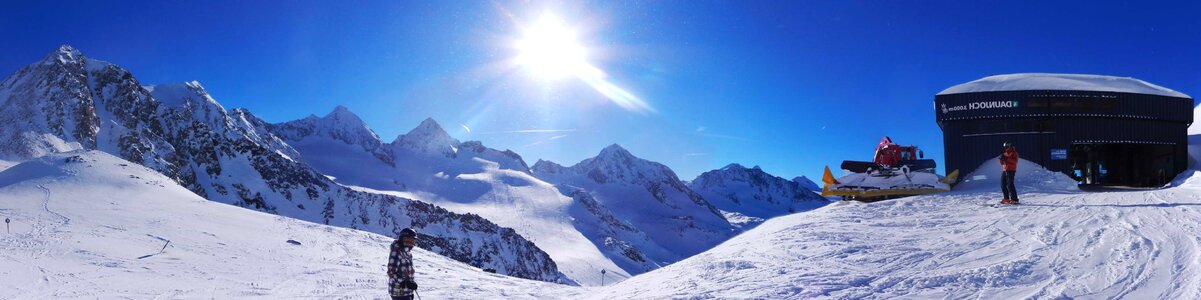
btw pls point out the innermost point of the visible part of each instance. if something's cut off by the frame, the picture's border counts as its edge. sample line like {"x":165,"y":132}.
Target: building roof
{"x":1061,"y":82}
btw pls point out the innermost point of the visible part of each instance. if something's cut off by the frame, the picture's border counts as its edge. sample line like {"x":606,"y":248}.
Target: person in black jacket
{"x":401,"y":284}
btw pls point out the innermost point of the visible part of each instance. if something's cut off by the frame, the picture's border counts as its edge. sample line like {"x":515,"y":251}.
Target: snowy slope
{"x":68,"y":102}
{"x":90,"y":225}
{"x":748,"y":196}
{"x":465,"y":177}
{"x":1195,"y":129}
{"x":1061,"y":243}
{"x":1068,"y":82}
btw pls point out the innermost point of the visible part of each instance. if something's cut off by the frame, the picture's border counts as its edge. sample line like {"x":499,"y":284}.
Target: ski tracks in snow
{"x":46,"y":206}
{"x":1129,"y":244}
{"x":1116,"y":245}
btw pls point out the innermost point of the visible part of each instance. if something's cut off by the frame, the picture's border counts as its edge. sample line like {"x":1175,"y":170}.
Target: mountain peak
{"x":615,"y":164}
{"x":68,"y":50}
{"x":343,"y":115}
{"x":428,"y":127}
{"x":615,"y":150}
{"x":804,"y":182}
{"x":65,"y":54}
{"x":547,"y":167}
{"x":428,"y":137}
{"x":430,"y":124}
{"x":741,"y":168}
{"x":733,"y":167}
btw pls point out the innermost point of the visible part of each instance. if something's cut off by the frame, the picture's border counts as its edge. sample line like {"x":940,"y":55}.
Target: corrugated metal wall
{"x":976,"y":124}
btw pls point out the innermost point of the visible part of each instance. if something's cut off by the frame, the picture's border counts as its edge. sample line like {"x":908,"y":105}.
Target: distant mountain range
{"x":69,"y":102}
{"x":613,"y":212}
{"x":749,"y":196}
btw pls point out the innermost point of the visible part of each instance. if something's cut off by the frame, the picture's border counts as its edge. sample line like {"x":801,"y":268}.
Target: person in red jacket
{"x":1009,"y":168}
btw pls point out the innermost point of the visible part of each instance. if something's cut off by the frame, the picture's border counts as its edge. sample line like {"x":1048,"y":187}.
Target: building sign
{"x":1059,"y":154}
{"x":980,"y":105}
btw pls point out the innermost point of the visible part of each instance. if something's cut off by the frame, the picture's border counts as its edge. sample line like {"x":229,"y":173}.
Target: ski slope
{"x":90,"y":225}
{"x":1061,"y":243}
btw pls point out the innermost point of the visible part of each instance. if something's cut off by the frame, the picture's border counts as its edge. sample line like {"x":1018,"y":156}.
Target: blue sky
{"x":791,"y":86}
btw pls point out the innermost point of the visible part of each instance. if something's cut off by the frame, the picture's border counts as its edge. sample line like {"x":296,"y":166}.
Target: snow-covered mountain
{"x":91,"y":225}
{"x":649,"y":197}
{"x":748,"y":196}
{"x":467,"y":177}
{"x":568,"y":220}
{"x":339,"y":125}
{"x":807,"y":184}
{"x":68,"y":102}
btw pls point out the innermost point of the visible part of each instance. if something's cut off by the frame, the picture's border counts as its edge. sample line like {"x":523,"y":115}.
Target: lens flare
{"x":551,"y":51}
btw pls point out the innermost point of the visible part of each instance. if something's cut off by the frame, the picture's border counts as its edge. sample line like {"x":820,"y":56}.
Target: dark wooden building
{"x":1101,"y":130}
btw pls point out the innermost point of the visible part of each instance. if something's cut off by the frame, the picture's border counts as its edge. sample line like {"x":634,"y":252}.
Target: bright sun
{"x":550,"y":50}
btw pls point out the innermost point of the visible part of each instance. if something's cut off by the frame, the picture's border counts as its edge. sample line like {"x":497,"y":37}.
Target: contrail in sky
{"x":530,"y":131}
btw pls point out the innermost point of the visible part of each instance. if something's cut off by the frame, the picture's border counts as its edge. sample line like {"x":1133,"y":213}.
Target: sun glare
{"x":550,"y":50}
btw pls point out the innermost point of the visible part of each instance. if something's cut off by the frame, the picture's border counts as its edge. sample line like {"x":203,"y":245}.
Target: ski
{"x":996,"y":205}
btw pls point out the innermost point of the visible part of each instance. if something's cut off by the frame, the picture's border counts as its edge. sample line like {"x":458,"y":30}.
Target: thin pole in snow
{"x":602,"y":277}
{"x":6,"y":226}
{"x":160,"y":251}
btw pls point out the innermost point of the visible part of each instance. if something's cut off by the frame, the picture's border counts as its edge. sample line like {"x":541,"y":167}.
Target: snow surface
{"x":1062,"y":82}
{"x":174,"y":94}
{"x":90,"y":225}
{"x":1195,"y":129}
{"x":1060,"y":244}
{"x":912,"y":180}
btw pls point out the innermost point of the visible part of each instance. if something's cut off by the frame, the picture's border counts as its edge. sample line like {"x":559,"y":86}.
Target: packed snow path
{"x":1141,"y":244}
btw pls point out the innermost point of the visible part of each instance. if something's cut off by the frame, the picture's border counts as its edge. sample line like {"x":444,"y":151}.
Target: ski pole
{"x":418,"y":294}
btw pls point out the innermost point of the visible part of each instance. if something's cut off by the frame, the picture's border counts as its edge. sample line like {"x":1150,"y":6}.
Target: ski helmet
{"x":408,"y":232}
{"x":1006,"y":145}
